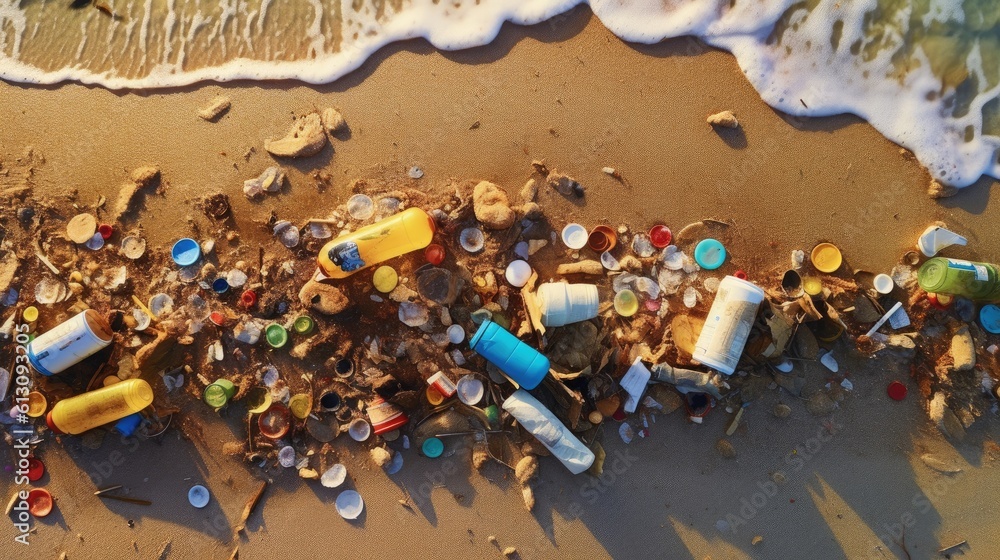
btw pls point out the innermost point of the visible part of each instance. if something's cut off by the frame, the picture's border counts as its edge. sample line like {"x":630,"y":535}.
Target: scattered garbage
{"x":728,"y":325}
{"x":936,"y":238}
{"x":350,"y":504}
{"x":65,"y":345}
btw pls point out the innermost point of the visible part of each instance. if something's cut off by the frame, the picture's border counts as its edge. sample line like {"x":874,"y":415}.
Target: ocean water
{"x":925,"y":73}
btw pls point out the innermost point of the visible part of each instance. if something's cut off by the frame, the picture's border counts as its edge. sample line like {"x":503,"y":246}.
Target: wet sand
{"x":569,"y":92}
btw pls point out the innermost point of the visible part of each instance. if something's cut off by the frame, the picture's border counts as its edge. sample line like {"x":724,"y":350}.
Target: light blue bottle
{"x":522,"y":363}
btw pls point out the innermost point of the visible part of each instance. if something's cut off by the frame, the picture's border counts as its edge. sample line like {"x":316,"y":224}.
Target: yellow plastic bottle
{"x":410,"y":230}
{"x":78,"y":414}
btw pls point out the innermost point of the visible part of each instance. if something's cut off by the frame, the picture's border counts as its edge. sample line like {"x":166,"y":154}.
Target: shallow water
{"x":925,"y":73}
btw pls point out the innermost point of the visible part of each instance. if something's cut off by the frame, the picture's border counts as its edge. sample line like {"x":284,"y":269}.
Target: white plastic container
{"x":562,"y":303}
{"x":70,"y":342}
{"x":554,"y":435}
{"x":728,"y":324}
{"x":936,"y":238}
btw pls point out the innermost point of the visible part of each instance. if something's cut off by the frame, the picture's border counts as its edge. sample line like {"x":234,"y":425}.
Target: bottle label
{"x":982,"y":274}
{"x":347,"y":256}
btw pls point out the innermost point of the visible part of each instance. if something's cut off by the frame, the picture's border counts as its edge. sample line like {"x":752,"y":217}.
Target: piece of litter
{"x":830,"y":362}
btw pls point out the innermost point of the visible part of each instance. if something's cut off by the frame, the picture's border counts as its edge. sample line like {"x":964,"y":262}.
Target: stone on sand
{"x":323,"y":298}
{"x":782,"y":410}
{"x":529,"y":191}
{"x":215,"y":108}
{"x":725,"y":119}
{"x":564,"y":184}
{"x":81,"y":228}
{"x":491,"y":206}
{"x":271,"y":180}
{"x":305,"y":138}
{"x":526,"y":469}
{"x":333,"y":121}
{"x":963,"y":350}
{"x":587,"y":266}
{"x":725,"y":448}
{"x":821,"y":403}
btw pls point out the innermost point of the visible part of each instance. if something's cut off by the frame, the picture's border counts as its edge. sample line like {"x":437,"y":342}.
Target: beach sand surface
{"x":569,"y":92}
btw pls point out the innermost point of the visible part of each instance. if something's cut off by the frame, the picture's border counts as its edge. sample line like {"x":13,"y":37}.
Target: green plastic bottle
{"x":976,"y":281}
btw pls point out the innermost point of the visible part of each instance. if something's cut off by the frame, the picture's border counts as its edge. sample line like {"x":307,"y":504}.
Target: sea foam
{"x":925,"y":73}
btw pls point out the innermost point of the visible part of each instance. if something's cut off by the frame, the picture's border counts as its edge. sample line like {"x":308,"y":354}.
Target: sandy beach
{"x":863,"y":481}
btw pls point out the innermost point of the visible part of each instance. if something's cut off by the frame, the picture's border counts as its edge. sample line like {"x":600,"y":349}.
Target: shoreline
{"x":582,"y":100}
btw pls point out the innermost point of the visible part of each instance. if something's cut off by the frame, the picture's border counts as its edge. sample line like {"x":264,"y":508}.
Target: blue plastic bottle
{"x":522,"y":363}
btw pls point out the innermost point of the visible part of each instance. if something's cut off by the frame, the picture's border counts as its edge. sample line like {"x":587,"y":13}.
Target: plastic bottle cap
{"x":300,"y":405}
{"x":30,"y":314}
{"x":215,"y":396}
{"x":434,"y":254}
{"x":303,"y":324}
{"x":826,"y":257}
{"x":385,"y":279}
{"x":359,"y":429}
{"x":598,"y":241}
{"x":105,"y":230}
{"x":248,"y":298}
{"x":432,"y":447}
{"x":220,"y":286}
{"x":812,"y":285}
{"x":198,"y":496}
{"x":660,"y":236}
{"x":575,"y":236}
{"x":39,"y":502}
{"x":36,"y":469}
{"x":274,"y":423}
{"x":626,"y":304}
{"x":37,"y":404}
{"x":217,"y":318}
{"x":518,"y":272}
{"x":434,"y":397}
{"x":989,"y":317}
{"x":276,"y":335}
{"x":709,"y":254}
{"x":897,"y":391}
{"x":884,"y":283}
{"x":350,"y":504}
{"x":185,"y":252}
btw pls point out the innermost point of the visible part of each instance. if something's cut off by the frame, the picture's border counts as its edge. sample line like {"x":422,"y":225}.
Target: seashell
{"x":133,"y":247}
{"x":49,"y":291}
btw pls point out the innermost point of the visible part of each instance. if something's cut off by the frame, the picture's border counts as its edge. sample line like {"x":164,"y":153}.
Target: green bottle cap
{"x":276,"y":335}
{"x":933,"y":275}
{"x":303,"y":324}
{"x":216,"y":395}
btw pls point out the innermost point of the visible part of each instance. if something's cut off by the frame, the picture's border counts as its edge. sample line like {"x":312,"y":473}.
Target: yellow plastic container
{"x":78,"y":414}
{"x":410,"y":230}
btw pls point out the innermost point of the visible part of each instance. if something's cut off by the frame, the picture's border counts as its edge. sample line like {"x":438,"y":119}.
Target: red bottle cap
{"x":434,"y":254}
{"x":897,"y":391}
{"x":36,"y":469}
{"x":248,"y":298}
{"x":218,"y":318}
{"x":660,"y":236}
{"x":740,"y":274}
{"x":105,"y":230}
{"x":51,"y":424}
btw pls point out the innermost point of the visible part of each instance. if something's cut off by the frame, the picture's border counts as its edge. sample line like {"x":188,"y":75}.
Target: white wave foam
{"x":834,"y":57}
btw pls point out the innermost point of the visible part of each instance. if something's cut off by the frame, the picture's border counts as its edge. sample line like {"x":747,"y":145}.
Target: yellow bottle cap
{"x":30,"y":314}
{"x":385,"y":279}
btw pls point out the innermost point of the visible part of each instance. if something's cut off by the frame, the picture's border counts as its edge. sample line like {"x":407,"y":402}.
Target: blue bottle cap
{"x":127,"y":426}
{"x":220,"y":285}
{"x":709,"y":254}
{"x":185,"y":252}
{"x":989,"y":317}
{"x":433,"y":447}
